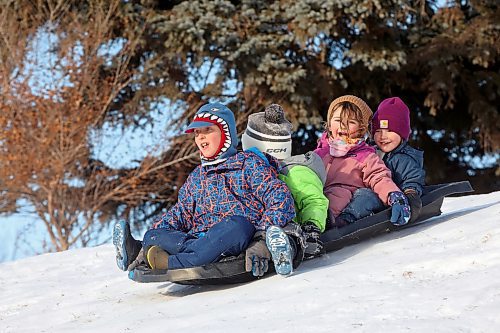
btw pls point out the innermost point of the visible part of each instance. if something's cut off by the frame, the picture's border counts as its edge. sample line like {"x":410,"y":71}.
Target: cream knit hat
{"x":365,"y":109}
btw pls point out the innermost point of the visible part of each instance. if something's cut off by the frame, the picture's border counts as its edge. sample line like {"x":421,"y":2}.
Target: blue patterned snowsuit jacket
{"x":242,"y":185}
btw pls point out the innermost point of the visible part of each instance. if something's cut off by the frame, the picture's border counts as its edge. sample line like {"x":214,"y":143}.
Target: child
{"x":270,"y":132}
{"x":354,"y":171}
{"x":391,"y":130}
{"x":220,"y":206}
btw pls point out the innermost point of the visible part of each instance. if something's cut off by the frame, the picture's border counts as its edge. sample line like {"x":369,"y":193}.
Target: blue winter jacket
{"x":242,"y":185}
{"x":407,"y":167}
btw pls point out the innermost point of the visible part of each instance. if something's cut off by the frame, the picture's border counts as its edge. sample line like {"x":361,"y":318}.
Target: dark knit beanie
{"x":393,"y":114}
{"x":270,"y":132}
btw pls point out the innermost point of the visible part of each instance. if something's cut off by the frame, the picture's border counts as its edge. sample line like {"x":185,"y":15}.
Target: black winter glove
{"x":415,"y":203}
{"x":257,"y":255}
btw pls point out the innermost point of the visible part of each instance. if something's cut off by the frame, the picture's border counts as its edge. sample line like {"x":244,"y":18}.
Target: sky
{"x":441,"y":276}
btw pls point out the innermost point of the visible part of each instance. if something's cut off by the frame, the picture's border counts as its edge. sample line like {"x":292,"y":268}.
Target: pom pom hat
{"x":270,"y":132}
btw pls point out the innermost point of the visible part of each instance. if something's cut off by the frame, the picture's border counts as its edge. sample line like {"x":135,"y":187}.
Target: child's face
{"x":386,"y":140}
{"x":208,"y":140}
{"x":343,"y":128}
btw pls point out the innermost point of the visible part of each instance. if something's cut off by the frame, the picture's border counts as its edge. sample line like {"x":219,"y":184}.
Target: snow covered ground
{"x":443,"y":276}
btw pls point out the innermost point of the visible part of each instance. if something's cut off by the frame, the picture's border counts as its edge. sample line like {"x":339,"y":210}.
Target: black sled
{"x":232,"y":270}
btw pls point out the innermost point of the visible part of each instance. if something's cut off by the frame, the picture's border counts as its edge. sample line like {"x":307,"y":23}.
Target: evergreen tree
{"x":442,"y":61}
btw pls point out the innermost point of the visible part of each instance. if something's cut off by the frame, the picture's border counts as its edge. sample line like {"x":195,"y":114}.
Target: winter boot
{"x":281,"y":251}
{"x":126,"y":247}
{"x":314,"y":244}
{"x":297,"y":239}
{"x":157,"y":258}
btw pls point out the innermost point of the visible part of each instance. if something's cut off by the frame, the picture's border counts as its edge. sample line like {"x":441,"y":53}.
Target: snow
{"x":442,"y":276}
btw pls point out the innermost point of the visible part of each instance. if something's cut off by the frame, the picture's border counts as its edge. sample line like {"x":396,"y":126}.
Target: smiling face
{"x":344,"y":126}
{"x":386,"y":140}
{"x":208,"y":140}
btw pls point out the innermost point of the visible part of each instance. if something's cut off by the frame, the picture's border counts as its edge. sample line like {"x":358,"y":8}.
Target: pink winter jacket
{"x":360,"y":167}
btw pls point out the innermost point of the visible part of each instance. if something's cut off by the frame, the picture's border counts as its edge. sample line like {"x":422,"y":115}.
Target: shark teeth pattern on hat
{"x":224,"y":127}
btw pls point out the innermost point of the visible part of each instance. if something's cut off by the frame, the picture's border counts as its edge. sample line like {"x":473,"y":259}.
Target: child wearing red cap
{"x":391,"y":130}
{"x":222,"y":204}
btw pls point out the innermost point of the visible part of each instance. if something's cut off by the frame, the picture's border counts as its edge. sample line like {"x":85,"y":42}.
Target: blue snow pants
{"x":364,"y":202}
{"x":229,"y":237}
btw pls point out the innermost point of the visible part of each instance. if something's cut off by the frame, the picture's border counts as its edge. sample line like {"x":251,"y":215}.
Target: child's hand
{"x":257,"y":255}
{"x":137,"y":261}
{"x":400,"y":208}
{"x":415,"y":203}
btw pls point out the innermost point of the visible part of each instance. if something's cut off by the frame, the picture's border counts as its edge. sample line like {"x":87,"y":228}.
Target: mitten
{"x":415,"y":203}
{"x":257,"y":255}
{"x":400,"y":214}
{"x":137,"y":261}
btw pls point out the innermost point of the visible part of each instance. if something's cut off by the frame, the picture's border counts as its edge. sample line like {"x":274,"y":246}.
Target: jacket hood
{"x":310,"y":160}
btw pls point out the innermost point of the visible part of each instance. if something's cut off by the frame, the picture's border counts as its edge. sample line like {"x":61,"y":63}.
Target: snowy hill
{"x":443,"y":276}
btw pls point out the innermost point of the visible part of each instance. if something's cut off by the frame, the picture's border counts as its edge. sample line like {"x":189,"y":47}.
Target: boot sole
{"x":278,"y":244}
{"x":119,"y":239}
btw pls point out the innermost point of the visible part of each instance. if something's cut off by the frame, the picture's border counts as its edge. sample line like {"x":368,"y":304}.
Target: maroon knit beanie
{"x":392,"y":114}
